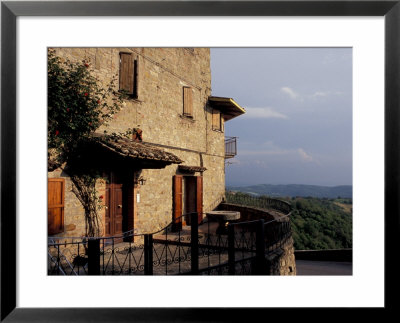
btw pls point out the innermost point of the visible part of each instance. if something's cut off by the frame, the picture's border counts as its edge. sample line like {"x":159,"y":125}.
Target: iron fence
{"x":67,"y":257}
{"x":195,"y":250}
{"x":262,"y":202}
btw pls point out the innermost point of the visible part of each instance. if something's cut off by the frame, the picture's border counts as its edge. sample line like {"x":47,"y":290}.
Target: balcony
{"x":230,"y":147}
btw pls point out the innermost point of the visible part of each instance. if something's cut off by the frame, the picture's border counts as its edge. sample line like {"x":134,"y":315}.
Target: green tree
{"x":78,"y":104}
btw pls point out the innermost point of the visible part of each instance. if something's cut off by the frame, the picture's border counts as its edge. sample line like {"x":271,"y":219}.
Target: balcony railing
{"x":260,"y":202}
{"x":198,"y":249}
{"x":230,"y":147}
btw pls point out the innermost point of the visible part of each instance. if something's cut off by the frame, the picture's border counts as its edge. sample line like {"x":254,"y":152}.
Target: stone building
{"x":174,"y":164}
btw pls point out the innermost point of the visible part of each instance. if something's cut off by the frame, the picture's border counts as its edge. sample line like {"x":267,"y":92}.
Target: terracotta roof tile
{"x":138,"y":150}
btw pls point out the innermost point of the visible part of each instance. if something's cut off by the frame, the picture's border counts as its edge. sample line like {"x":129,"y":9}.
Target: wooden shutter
{"x":216,"y":120}
{"x":177,"y":203}
{"x":126,"y":73}
{"x":135,"y":78}
{"x":187,"y":101}
{"x":55,"y":205}
{"x":199,"y":198}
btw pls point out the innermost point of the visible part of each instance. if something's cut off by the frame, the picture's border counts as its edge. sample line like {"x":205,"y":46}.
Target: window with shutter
{"x":55,"y":206}
{"x":187,"y":101}
{"x":216,"y":120}
{"x":128,"y":74}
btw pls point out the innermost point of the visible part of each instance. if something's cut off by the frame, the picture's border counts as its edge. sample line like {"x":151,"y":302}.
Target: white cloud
{"x":316,"y":95}
{"x":319,"y":94}
{"x":263,"y":113}
{"x":269,"y":149}
{"x":292,"y":94}
{"x":323,"y":94}
{"x":304,"y":156}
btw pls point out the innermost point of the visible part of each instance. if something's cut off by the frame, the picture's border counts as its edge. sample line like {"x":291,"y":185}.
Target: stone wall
{"x":74,"y":224}
{"x":282,"y":259}
{"x":158,"y":112}
{"x":247,"y":213}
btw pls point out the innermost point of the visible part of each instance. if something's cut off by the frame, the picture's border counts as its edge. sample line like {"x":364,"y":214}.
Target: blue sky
{"x":298,"y":125}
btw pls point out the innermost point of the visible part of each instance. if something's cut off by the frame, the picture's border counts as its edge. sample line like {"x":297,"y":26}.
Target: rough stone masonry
{"x":157,"y":110}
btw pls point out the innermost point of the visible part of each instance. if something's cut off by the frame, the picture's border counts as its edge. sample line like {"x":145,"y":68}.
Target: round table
{"x":223,"y":218}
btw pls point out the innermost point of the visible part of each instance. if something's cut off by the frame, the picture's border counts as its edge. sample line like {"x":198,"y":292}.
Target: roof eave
{"x":228,"y":107}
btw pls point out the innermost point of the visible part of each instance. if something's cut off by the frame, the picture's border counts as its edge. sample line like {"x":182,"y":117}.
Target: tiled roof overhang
{"x":135,"y":150}
{"x":101,"y":150}
{"x":191,"y":169}
{"x":228,"y":107}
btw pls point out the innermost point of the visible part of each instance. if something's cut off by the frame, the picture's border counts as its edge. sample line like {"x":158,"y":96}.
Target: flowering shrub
{"x":77,"y":104}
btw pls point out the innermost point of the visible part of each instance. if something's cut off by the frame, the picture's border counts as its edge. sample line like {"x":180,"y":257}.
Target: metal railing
{"x":230,"y":147}
{"x":198,"y":249}
{"x":261,"y":202}
{"x":235,"y":253}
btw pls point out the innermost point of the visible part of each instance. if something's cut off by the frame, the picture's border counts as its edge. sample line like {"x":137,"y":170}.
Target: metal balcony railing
{"x":198,"y":249}
{"x":261,"y":202}
{"x":230,"y":147}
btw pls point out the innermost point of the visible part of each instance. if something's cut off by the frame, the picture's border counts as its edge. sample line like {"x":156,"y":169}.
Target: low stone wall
{"x":247,"y":213}
{"x":282,"y":257}
{"x":282,"y":260}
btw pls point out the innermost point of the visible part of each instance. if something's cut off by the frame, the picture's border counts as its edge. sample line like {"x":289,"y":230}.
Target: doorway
{"x":189,"y":195}
{"x":187,"y":198}
{"x":118,"y":204}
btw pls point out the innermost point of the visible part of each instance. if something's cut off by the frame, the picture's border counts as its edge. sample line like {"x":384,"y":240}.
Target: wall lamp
{"x":141,"y":180}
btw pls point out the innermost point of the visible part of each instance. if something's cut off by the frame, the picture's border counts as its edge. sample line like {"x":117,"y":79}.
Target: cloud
{"x":323,"y":94}
{"x":304,"y":156}
{"x":292,"y":94}
{"x":319,"y":94}
{"x":268,"y":152}
{"x":263,"y":113}
{"x":271,"y":151}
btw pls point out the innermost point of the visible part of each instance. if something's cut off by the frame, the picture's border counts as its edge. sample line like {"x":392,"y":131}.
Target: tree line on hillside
{"x":317,"y":223}
{"x":321,"y":224}
{"x":294,"y":190}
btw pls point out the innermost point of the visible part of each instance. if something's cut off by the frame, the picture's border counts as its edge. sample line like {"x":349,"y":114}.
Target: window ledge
{"x":188,"y":118}
{"x":135,"y":100}
{"x":217,"y":130}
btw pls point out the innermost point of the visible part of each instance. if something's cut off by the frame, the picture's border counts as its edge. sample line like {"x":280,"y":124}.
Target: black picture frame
{"x":10,"y":10}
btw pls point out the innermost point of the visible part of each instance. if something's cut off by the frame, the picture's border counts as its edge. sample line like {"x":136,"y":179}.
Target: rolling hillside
{"x":317,"y":223}
{"x":296,"y":190}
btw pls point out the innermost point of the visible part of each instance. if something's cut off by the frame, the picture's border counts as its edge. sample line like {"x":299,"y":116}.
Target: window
{"x":216,"y":120}
{"x":55,"y":206}
{"x":187,"y":101}
{"x":128,"y":74}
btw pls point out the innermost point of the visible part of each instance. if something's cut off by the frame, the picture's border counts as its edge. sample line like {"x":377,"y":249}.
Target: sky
{"x":298,"y":123}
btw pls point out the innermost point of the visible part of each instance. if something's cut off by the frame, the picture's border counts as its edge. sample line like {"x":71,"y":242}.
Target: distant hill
{"x":293,"y":190}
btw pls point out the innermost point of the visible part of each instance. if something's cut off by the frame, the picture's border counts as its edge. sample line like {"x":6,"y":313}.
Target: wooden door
{"x":114,"y":206}
{"x":55,"y":205}
{"x":193,"y":199}
{"x":199,"y":198}
{"x":190,"y":194}
{"x":177,"y":203}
